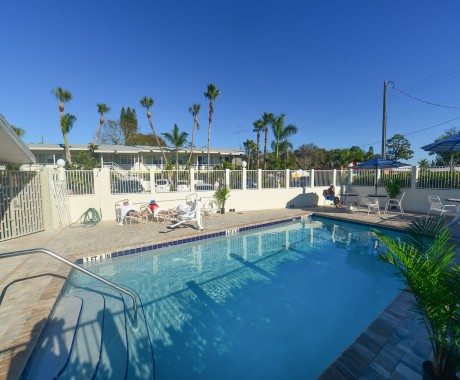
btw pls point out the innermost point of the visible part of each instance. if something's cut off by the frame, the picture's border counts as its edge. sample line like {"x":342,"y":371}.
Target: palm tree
{"x":19,"y":131}
{"x":212,"y":94}
{"x":194,"y":110}
{"x":147,"y":103}
{"x":281,"y":132}
{"x":63,"y":96}
{"x":250,"y":147}
{"x":177,"y":139}
{"x":288,"y":131}
{"x":102,"y":109}
{"x":67,"y":122}
{"x":423,"y":163}
{"x":258,"y":128}
{"x":267,"y":119}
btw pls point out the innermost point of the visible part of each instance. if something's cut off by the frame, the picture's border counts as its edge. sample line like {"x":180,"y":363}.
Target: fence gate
{"x":21,"y":207}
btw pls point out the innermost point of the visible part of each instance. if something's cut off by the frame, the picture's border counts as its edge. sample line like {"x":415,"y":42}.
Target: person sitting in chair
{"x":329,"y":193}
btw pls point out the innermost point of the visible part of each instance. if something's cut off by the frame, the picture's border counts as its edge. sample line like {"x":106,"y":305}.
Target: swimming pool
{"x":271,"y":303}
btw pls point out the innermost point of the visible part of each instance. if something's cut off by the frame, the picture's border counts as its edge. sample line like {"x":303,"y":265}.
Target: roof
{"x":125,"y":149}
{"x":12,"y":149}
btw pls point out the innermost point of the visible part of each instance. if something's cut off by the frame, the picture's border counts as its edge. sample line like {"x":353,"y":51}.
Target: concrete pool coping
{"x":31,"y":284}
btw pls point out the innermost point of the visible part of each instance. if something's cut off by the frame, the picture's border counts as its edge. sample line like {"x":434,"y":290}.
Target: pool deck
{"x":392,"y":347}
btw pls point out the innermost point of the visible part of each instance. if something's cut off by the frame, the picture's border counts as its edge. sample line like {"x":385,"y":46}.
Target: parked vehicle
{"x":182,"y":186}
{"x":204,"y":186}
{"x":162,"y":186}
{"x":127,"y":186}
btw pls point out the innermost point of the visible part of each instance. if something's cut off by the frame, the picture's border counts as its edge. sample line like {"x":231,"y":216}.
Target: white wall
{"x":250,"y":199}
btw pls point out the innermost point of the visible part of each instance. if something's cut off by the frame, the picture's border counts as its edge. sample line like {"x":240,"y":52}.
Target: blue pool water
{"x":272,"y":303}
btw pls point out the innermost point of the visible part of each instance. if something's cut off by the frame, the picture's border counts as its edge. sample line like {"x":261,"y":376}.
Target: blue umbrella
{"x":379,"y":163}
{"x":451,"y":144}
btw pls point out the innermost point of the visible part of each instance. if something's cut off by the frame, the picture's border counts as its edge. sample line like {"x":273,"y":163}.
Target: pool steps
{"x":91,"y":335}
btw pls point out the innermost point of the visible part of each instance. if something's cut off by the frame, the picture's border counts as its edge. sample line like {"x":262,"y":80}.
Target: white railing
{"x":206,"y":180}
{"x":439,"y":177}
{"x":80,"y":182}
{"x":273,"y":179}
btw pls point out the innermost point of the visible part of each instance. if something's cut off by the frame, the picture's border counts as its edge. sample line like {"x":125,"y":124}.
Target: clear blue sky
{"x":322,"y":63}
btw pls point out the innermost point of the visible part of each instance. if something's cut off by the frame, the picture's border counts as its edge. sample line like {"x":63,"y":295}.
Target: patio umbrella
{"x":379,"y":163}
{"x":451,"y":144}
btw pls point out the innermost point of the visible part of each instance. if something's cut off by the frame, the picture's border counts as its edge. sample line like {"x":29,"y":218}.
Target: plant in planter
{"x":393,"y":188}
{"x":221,"y":195}
{"x":425,"y":258}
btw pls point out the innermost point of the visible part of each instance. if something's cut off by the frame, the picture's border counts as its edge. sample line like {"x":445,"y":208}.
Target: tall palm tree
{"x":267,"y":119}
{"x":147,"y":103}
{"x":281,"y":132}
{"x":194,"y":110}
{"x":258,"y":128}
{"x":177,"y":139}
{"x":212,"y":94}
{"x":67,"y":122}
{"x":250,"y":148}
{"x":102,"y":109}
{"x":289,"y":130}
{"x":63,"y":96}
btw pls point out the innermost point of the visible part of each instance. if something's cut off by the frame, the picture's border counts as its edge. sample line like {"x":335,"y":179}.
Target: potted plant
{"x":221,"y":195}
{"x":393,"y":188}
{"x":425,"y":259}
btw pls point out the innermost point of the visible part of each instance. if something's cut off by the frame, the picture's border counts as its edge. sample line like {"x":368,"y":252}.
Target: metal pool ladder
{"x":65,"y":261}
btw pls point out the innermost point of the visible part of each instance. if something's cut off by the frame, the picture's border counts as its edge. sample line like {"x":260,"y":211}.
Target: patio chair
{"x":371,"y":204}
{"x":125,"y":219}
{"x":437,"y":206}
{"x":194,"y":215}
{"x":394,"y":203}
{"x":326,"y":199}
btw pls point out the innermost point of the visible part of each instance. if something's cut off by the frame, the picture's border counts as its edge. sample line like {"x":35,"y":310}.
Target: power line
{"x":423,"y":101}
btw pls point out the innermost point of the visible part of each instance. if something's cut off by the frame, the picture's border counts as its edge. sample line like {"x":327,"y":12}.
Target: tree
{"x":112,"y":133}
{"x":211,"y":94}
{"x":423,"y":163}
{"x":267,"y":119}
{"x":258,"y":128}
{"x":67,"y":122}
{"x":145,"y":139}
{"x":251,"y":152}
{"x":194,"y":110}
{"x":128,"y":122}
{"x":398,"y":147}
{"x":147,"y":103}
{"x":310,"y":156}
{"x":177,"y":139}
{"x":102,"y":109}
{"x":281,"y":132}
{"x":19,"y":131}
{"x":63,"y":96}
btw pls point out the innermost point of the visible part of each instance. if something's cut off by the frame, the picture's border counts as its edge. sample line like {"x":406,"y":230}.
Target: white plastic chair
{"x":437,"y":206}
{"x":370,"y":203}
{"x":194,"y":215}
{"x":326,"y":199}
{"x":393,"y":202}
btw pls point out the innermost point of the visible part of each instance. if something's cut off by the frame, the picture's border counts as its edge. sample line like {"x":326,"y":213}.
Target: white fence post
{"x":287,"y":178}
{"x":415,"y":174}
{"x":312,"y":178}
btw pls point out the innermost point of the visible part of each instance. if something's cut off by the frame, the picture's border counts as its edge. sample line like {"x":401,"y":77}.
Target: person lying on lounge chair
{"x":157,"y":210}
{"x":128,"y":210}
{"x":330,"y":195}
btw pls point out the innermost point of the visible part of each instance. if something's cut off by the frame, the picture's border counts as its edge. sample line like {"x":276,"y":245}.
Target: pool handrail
{"x":65,"y":261}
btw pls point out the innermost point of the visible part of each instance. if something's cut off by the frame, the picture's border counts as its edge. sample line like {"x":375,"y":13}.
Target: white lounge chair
{"x":125,"y":219}
{"x":393,"y":202}
{"x":437,"y":206}
{"x":194,"y":215}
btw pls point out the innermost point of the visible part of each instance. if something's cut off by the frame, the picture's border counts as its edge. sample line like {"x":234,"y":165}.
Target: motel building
{"x":136,"y":157}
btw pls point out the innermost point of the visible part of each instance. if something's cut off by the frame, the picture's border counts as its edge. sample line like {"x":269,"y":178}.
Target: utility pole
{"x":384,"y":122}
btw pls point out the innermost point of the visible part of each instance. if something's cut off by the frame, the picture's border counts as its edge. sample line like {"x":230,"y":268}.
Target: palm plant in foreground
{"x":147,"y":103}
{"x":194,"y":110}
{"x":177,"y":139}
{"x":63,"y":96}
{"x":101,"y":109}
{"x":425,"y":258}
{"x":211,"y":94}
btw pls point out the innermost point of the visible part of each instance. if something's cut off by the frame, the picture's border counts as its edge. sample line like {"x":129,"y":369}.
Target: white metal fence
{"x":439,"y":177}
